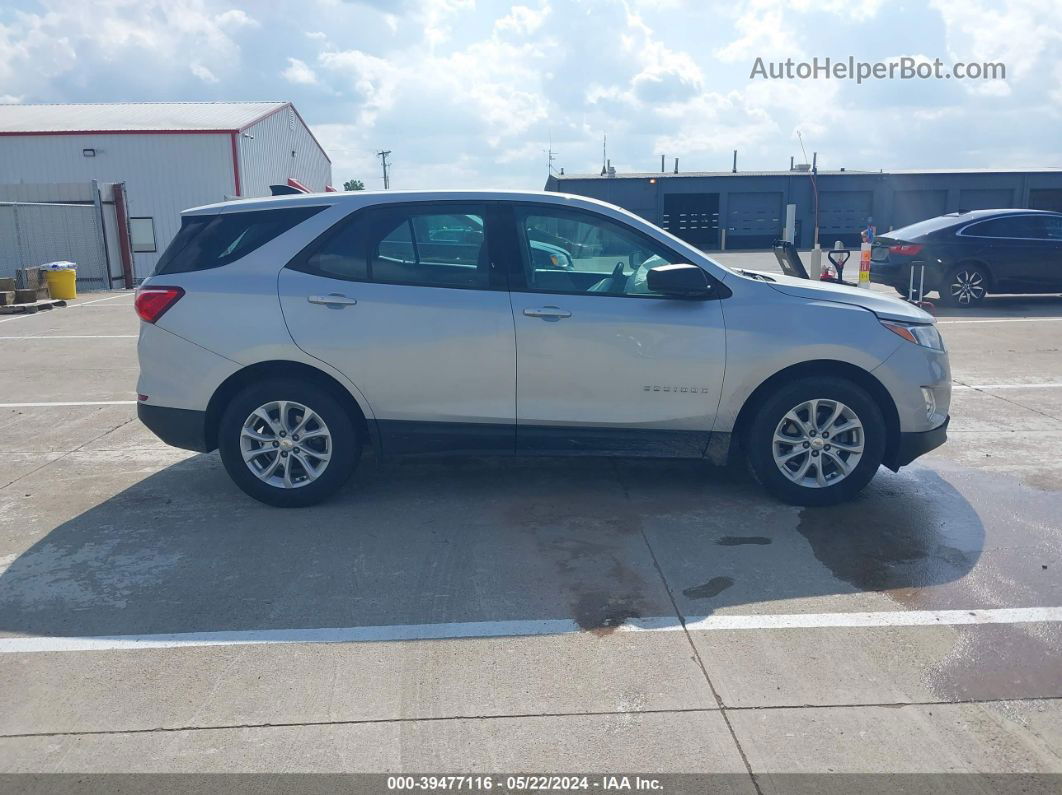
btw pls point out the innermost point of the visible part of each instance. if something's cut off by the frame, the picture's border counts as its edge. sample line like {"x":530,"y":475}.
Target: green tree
{"x":353,"y":184}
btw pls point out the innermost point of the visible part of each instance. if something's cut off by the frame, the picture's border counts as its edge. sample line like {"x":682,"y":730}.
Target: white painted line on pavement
{"x":1052,"y":385}
{"x":74,"y":337}
{"x":508,"y":629}
{"x":46,"y":313}
{"x":68,"y":403}
{"x":1003,"y":320}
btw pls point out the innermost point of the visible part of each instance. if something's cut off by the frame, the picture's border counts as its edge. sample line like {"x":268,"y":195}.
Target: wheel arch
{"x":282,"y":369}
{"x":821,"y":368}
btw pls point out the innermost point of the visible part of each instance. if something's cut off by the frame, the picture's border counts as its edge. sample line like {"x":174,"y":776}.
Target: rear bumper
{"x":914,"y":444}
{"x":898,"y":274}
{"x":182,"y":428}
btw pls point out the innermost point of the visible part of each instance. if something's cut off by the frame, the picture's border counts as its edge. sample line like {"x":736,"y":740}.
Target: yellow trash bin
{"x":62,"y":283}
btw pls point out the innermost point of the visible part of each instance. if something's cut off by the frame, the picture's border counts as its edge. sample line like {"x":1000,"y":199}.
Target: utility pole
{"x":385,"y":164}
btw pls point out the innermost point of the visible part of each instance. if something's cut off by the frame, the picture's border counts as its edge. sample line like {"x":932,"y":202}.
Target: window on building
{"x":142,"y":234}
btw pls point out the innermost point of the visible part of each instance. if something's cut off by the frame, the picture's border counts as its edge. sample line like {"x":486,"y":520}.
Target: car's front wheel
{"x":287,"y":444}
{"x":816,"y":441}
{"x":965,"y":286}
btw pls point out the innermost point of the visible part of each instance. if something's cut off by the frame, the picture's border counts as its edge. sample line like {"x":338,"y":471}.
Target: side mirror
{"x":681,"y":280}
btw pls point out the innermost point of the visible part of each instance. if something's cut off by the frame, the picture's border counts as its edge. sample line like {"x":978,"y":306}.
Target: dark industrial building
{"x":747,"y":209}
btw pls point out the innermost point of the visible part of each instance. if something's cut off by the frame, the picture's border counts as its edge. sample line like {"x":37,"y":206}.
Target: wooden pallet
{"x":30,"y":308}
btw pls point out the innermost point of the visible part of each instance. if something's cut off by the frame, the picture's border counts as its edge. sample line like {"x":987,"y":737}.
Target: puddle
{"x":601,"y":613}
{"x":713,"y":587}
{"x":897,"y":541}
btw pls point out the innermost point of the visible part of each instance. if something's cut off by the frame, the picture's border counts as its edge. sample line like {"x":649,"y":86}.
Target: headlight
{"x":925,"y":335}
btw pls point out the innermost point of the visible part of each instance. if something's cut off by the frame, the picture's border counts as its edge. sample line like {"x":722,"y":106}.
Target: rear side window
{"x":210,"y":241}
{"x":415,"y":245}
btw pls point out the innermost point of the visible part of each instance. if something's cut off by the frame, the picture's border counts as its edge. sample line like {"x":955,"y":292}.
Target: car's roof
{"x":966,"y":214}
{"x":362,"y":198}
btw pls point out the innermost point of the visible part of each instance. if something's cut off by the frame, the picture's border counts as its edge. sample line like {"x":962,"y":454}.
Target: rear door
{"x":603,"y":364}
{"x":405,"y":301}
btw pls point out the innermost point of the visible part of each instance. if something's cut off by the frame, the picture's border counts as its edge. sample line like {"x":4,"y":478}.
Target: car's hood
{"x":884,"y":306}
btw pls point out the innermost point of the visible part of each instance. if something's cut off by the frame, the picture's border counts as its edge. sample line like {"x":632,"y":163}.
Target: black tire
{"x":345,"y":443}
{"x":759,"y":441}
{"x":965,"y":286}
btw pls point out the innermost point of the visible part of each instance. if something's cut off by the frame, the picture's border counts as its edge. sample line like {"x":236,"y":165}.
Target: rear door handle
{"x":548,"y":313}
{"x":332,"y":299}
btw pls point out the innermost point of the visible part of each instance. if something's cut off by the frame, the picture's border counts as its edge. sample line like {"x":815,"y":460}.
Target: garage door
{"x":909,"y":206}
{"x":1046,"y":199}
{"x":694,"y":217}
{"x":986,"y":199}
{"x":754,"y":220}
{"x":842,"y":214}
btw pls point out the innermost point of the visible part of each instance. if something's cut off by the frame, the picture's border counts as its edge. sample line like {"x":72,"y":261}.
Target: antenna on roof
{"x":604,"y":154}
{"x":550,"y":156}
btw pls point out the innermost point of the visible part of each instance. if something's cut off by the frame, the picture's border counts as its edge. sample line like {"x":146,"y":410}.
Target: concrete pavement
{"x":554,"y":592}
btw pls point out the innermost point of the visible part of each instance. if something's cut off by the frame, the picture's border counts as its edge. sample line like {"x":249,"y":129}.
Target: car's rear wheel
{"x":816,"y":441}
{"x":965,"y":286}
{"x":287,"y":444}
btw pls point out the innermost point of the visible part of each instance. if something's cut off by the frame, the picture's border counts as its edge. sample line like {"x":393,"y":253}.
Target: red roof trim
{"x":294,"y":183}
{"x":330,"y":189}
{"x":120,"y":132}
{"x":236,"y":163}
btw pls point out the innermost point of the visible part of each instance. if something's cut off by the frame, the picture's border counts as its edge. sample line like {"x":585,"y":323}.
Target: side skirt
{"x":400,"y":437}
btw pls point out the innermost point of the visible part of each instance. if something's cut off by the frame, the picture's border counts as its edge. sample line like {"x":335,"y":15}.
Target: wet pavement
{"x":534,"y":614}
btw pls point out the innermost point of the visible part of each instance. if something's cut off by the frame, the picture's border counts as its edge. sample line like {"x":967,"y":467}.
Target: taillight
{"x":152,"y":302}
{"x":905,"y":249}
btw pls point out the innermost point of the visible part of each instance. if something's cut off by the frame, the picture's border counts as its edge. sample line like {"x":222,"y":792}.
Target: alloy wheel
{"x":285,"y":444}
{"x":818,"y":443}
{"x":967,"y":287}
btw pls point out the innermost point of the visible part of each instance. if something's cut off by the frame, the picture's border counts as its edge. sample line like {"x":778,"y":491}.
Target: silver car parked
{"x":292,"y":332}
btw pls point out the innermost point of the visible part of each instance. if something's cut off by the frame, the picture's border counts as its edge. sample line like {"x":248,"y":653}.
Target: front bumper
{"x":914,"y":444}
{"x":182,"y":428}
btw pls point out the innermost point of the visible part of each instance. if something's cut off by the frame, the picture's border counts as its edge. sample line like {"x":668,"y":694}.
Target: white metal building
{"x":170,"y":155}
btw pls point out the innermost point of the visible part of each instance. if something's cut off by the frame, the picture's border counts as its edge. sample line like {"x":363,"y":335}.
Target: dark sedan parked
{"x":973,"y":253}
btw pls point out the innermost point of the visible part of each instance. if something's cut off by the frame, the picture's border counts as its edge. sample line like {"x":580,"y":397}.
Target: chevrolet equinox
{"x":292,"y":332}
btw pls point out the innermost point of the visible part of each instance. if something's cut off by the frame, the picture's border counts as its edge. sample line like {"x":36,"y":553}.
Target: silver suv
{"x":292,"y":332}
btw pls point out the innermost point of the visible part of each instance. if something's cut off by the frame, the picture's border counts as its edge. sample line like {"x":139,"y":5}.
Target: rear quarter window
{"x":210,"y":241}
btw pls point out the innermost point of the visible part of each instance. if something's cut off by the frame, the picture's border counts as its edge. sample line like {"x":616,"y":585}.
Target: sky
{"x":467,"y":93}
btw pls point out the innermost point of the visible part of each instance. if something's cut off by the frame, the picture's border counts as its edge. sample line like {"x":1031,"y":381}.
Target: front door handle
{"x":548,"y":313}
{"x":332,"y":299}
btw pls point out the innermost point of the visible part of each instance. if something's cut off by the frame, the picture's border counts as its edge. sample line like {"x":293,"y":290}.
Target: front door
{"x":405,"y":302}
{"x":603,"y":364}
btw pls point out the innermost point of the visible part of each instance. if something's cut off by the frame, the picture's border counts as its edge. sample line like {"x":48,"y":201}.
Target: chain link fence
{"x":34,"y":233}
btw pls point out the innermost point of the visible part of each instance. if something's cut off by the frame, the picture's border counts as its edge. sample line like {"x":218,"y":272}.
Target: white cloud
{"x":203,"y":73}
{"x":236,"y":18}
{"x":523,"y":20}
{"x":299,"y":73}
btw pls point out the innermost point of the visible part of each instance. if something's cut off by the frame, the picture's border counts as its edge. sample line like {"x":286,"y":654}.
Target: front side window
{"x":567,"y":251}
{"x":1027,"y":226}
{"x":1052,"y":227}
{"x":405,"y":245}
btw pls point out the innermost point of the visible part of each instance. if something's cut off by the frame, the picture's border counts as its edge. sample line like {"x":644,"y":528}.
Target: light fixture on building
{"x":652,"y":181}
{"x":88,"y":152}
